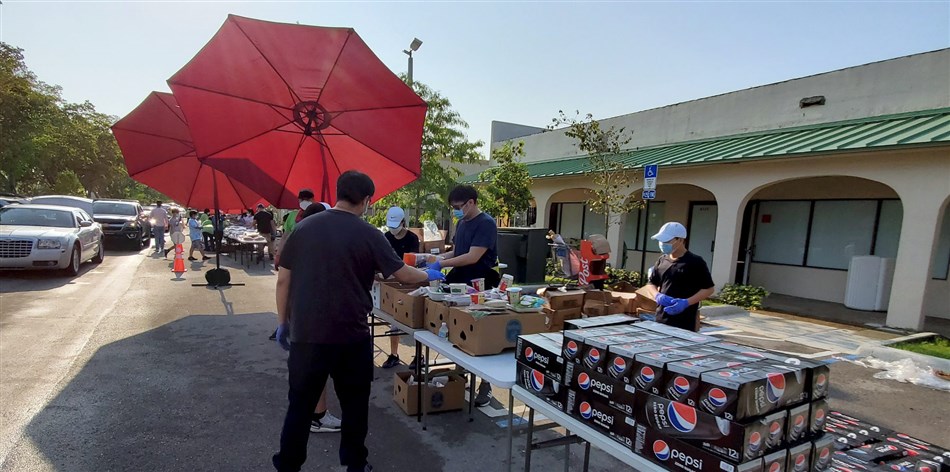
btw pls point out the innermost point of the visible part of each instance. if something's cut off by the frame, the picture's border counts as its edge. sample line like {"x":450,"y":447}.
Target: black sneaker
{"x":412,"y":365}
{"x":391,"y":361}
{"x":273,"y":337}
{"x":192,"y":258}
{"x":484,"y":394}
{"x":204,"y":258}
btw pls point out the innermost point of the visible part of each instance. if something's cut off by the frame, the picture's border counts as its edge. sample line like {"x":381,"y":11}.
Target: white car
{"x":48,"y":237}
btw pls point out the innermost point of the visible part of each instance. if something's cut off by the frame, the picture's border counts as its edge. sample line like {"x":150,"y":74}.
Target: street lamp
{"x":413,"y":46}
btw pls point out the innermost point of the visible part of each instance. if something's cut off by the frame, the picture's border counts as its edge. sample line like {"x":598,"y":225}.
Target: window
{"x":941,"y":263}
{"x":576,"y":220}
{"x":889,"y":228}
{"x":781,"y":232}
{"x":840,"y":230}
{"x":633,"y":229}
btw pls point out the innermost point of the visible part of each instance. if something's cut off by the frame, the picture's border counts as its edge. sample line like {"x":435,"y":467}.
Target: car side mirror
{"x":85,"y":224}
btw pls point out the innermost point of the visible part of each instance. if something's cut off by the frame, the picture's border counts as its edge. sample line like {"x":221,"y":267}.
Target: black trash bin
{"x":525,"y":251}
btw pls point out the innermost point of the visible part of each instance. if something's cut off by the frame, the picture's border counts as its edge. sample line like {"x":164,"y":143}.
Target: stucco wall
{"x":817,"y":284}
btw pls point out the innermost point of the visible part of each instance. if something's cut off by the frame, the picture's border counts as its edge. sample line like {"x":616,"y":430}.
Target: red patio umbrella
{"x":156,"y":145}
{"x":302,"y":104}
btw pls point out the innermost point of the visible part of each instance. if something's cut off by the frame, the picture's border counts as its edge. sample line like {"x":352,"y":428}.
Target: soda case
{"x":675,"y":332}
{"x":751,"y":390}
{"x":541,"y":353}
{"x":852,"y":432}
{"x":542,"y":386}
{"x":681,"y":378}
{"x":797,"y":424}
{"x":919,"y":449}
{"x":598,"y":321}
{"x":615,"y":424}
{"x":573,"y":342}
{"x":841,"y":462}
{"x":876,"y":453}
{"x":774,"y":425}
{"x":799,"y":458}
{"x":776,"y":461}
{"x":817,"y":417}
{"x":822,"y":449}
{"x":930,"y":466}
{"x":601,"y":388}
{"x":673,"y":454}
{"x":594,"y":353}
{"x":817,"y":376}
{"x":620,"y":358}
{"x":649,"y":367}
{"x":733,"y":441}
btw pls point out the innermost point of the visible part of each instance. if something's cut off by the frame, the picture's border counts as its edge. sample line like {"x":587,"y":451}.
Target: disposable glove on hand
{"x":664,"y":300}
{"x":437,"y":265}
{"x":679,"y":304}
{"x":434,"y":274}
{"x":283,"y":336}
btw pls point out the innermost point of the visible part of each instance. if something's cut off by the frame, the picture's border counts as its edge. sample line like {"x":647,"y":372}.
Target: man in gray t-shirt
{"x":323,"y":298}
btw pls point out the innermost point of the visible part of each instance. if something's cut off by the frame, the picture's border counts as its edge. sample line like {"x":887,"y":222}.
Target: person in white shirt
{"x":159,"y":219}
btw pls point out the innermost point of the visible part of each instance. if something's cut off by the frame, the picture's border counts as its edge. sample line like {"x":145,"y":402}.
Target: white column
{"x":730,"y":207}
{"x":914,"y":255}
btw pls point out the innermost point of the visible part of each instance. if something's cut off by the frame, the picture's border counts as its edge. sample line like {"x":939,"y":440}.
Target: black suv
{"x":123,"y":221}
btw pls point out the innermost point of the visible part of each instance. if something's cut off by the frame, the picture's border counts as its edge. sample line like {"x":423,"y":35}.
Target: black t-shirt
{"x":264,"y":219}
{"x":333,"y":257}
{"x":408,"y":244}
{"x":682,"y":278}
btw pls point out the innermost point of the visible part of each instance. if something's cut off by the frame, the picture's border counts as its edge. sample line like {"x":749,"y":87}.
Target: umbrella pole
{"x":217,"y":222}
{"x":325,"y":191}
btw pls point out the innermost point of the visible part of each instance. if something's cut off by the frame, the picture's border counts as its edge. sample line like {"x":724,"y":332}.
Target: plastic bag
{"x":904,"y":370}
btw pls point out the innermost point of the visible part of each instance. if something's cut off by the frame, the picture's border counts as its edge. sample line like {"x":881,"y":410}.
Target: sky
{"x":518,"y":62}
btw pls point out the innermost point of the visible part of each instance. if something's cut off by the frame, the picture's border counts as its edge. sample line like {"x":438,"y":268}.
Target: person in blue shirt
{"x":474,"y":254}
{"x":194,"y":231}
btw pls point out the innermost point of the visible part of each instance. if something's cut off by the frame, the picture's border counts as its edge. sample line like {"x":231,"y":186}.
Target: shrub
{"x":745,"y":296}
{"x":623,"y":280}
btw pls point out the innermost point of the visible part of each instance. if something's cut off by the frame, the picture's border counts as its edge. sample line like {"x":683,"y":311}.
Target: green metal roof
{"x":921,"y":128}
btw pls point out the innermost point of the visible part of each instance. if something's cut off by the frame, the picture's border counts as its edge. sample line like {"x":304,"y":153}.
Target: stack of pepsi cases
{"x":862,"y":445}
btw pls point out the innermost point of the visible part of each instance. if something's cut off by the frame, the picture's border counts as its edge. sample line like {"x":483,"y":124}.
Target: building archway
{"x":569,"y":216}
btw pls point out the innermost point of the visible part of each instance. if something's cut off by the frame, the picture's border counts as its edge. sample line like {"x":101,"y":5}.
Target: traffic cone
{"x":179,"y":266}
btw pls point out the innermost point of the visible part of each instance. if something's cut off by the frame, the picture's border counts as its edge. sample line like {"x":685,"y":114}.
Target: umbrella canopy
{"x":301,"y":103}
{"x":156,"y":145}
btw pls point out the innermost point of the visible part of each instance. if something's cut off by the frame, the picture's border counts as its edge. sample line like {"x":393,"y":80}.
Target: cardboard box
{"x":554,"y":319}
{"x":674,"y":454}
{"x":428,"y":246}
{"x":376,"y":293}
{"x":558,"y":300}
{"x":404,"y":308}
{"x":447,"y":398}
{"x":493,"y":333}
{"x":644,"y":301}
{"x":436,"y":313}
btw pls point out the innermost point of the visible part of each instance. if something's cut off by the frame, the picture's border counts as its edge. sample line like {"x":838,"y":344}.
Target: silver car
{"x":48,"y":237}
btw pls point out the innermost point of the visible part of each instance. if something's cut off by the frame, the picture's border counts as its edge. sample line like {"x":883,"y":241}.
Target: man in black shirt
{"x":403,"y":241}
{"x":323,"y":300}
{"x":266,"y":227}
{"x":680,"y":279}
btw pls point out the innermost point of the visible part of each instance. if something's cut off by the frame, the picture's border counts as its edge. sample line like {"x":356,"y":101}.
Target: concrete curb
{"x":881,"y":350}
{"x":722,"y":311}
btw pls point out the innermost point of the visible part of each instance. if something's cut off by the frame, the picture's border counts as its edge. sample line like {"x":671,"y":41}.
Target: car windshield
{"x":18,"y":216}
{"x":109,"y":208}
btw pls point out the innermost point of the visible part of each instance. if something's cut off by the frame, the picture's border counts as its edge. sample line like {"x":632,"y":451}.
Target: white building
{"x":780,"y":185}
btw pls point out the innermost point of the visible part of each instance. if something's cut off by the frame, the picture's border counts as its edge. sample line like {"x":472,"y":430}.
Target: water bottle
{"x":444,"y":331}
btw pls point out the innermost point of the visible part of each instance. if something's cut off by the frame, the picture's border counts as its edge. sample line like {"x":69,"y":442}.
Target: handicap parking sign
{"x":650,"y":171}
{"x":649,"y":194}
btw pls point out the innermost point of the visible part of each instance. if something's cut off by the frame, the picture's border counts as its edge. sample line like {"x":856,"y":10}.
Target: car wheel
{"x":74,"y":261}
{"x":100,"y":255}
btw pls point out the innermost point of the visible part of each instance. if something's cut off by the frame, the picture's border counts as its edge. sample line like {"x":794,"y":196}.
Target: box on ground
{"x":450,"y":396}
{"x":404,"y":308}
{"x":490,"y":334}
{"x":436,"y":313}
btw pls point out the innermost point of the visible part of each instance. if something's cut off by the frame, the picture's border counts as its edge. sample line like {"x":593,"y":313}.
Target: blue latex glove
{"x":437,"y":265}
{"x":679,"y":304}
{"x":664,"y":300}
{"x":283,"y":336}
{"x":434,"y":274}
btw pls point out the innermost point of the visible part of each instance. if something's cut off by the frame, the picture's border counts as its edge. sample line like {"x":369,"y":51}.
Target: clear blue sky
{"x":517,"y":62}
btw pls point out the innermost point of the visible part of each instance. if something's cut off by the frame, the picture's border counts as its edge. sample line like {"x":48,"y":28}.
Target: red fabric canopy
{"x":158,"y":152}
{"x":302,"y":104}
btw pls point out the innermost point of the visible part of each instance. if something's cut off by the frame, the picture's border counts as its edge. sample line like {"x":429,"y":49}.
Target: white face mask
{"x":304,"y":204}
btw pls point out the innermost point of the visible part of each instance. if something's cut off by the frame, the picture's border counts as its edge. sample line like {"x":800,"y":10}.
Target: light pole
{"x":413,"y":46}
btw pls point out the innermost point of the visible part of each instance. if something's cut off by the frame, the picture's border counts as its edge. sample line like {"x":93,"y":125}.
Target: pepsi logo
{"x":824,"y":455}
{"x":821,"y":380}
{"x":774,"y":387}
{"x":799,"y":421}
{"x":800,"y":461}
{"x":529,"y":354}
{"x":583,"y":380}
{"x":586,"y":410}
{"x":681,"y":416}
{"x":571,"y":349}
{"x":681,"y":385}
{"x":753,"y":354}
{"x":727,"y":373}
{"x":755,"y":441}
{"x":924,"y":468}
{"x":775,"y":467}
{"x":717,"y":397}
{"x":661,"y":450}
{"x":733,"y":364}
{"x":619,"y":366}
{"x":819,"y":417}
{"x":537,"y":380}
{"x":593,"y":356}
{"x":775,"y":430}
{"x":646,"y":374}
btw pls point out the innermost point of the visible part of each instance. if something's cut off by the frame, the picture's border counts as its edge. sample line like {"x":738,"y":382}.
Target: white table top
{"x":594,"y":437}
{"x":395,"y":324}
{"x":498,"y":370}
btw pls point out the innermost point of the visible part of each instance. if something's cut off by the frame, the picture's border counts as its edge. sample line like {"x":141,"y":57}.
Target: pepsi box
{"x":799,"y":458}
{"x":541,"y":353}
{"x":693,"y":337}
{"x":681,"y":378}
{"x":655,"y":361}
{"x":774,"y":426}
{"x":594,"y":353}
{"x":821,"y":451}
{"x":729,"y":440}
{"x":598,"y":321}
{"x":817,"y":415}
{"x":931,"y":466}
{"x":855,"y":428}
{"x":574,"y":339}
{"x":918,"y":449}
{"x":817,"y":374}
{"x":620,"y":359}
{"x":602,"y":389}
{"x":797,"y":424}
{"x":751,"y":390}
{"x":671,"y":453}
{"x":876,"y":453}
{"x":842,"y":462}
{"x":542,"y":386}
{"x":614,"y":423}
{"x":776,"y":461}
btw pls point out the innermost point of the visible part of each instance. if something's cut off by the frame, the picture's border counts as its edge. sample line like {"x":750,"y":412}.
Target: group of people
{"x":200,"y":230}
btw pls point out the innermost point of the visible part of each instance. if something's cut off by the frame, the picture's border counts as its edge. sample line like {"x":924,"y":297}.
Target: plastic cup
{"x":514,"y":296}
{"x":457,"y":289}
{"x":506,"y":281}
{"x":435,"y":285}
{"x":479,"y":284}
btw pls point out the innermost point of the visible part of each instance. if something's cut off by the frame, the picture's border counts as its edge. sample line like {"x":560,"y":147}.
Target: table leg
{"x":586,"y":456}
{"x":471,"y":396}
{"x":418,"y":376}
{"x":530,"y":443}
{"x":425,"y":383}
{"x":567,"y":453}
{"x":511,"y":425}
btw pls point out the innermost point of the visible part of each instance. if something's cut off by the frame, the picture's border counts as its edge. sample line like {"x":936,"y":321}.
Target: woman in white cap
{"x":680,"y":279}
{"x":403,"y":241}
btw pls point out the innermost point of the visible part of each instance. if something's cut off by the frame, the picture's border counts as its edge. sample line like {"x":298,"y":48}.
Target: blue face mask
{"x":458,"y":214}
{"x":666,"y":248}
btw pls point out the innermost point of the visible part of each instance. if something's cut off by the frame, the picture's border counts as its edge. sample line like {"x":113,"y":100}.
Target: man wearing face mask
{"x":680,"y":279}
{"x":403,"y":241}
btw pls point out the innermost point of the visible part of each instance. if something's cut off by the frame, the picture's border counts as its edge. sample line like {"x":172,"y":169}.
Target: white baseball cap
{"x":669,"y":231}
{"x":394,"y":217}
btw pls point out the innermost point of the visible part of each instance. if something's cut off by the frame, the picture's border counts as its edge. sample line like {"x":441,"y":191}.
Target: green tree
{"x":506,"y":187}
{"x":612,"y":180}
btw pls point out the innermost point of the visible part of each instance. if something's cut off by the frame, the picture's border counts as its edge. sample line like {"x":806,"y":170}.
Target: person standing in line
{"x":680,"y":279}
{"x":174,"y":226}
{"x":266,"y":227}
{"x":474,"y":254}
{"x":323,"y":301}
{"x":194,"y":231}
{"x":159,"y":217}
{"x":402,"y":241}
